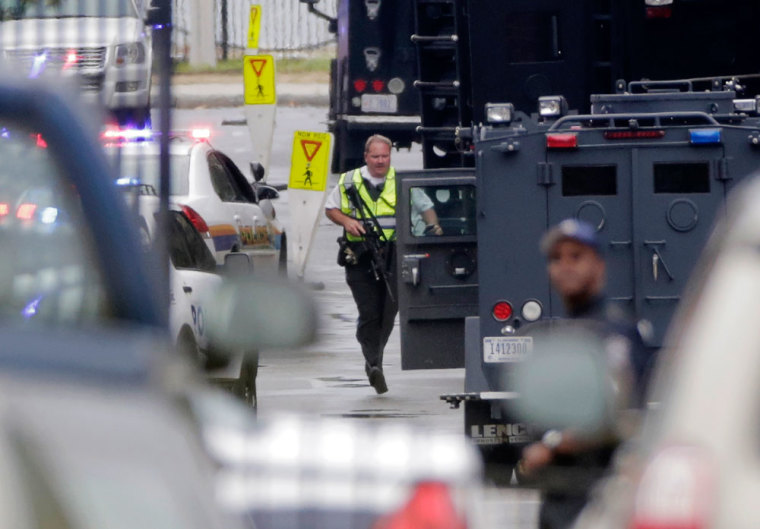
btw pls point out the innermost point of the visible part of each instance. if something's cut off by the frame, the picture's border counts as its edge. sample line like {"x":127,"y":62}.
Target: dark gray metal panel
{"x":474,"y":379}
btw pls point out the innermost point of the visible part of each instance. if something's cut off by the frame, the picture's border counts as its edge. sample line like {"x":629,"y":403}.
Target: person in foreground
{"x":577,"y":272}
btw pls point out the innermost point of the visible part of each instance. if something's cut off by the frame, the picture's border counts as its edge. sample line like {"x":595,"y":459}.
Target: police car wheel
{"x":245,"y":387}
{"x":187,"y":346}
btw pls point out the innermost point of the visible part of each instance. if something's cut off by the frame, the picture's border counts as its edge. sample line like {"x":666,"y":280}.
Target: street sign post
{"x":309,"y":172}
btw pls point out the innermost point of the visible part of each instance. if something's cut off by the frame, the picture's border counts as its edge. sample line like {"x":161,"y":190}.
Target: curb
{"x":220,"y":95}
{"x":211,"y":101}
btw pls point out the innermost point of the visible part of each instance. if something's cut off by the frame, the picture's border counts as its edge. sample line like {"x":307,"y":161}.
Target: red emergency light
{"x":561,"y":140}
{"x":378,"y":85}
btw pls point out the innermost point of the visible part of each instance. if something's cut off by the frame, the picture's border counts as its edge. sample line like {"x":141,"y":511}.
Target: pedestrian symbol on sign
{"x":258,"y":74}
{"x":258,"y":68}
{"x":310,"y":161}
{"x":310,"y":149}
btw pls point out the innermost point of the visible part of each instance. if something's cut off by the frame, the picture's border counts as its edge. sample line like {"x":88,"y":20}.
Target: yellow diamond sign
{"x":258,"y":76}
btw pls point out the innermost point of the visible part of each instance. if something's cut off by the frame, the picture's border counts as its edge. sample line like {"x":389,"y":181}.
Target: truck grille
{"x":88,"y":58}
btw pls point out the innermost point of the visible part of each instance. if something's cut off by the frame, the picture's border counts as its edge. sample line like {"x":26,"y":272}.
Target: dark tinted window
{"x":242,"y":184}
{"x":186,"y":246}
{"x":579,"y":180}
{"x":532,"y":37}
{"x":682,"y":177}
{"x":196,"y":246}
{"x":220,"y":179}
{"x":179,"y":252}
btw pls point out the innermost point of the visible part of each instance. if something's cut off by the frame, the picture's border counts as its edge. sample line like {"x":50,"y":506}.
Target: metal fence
{"x":287,"y":28}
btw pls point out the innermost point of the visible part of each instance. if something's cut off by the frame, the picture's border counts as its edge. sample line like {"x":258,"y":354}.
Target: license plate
{"x":499,"y":349}
{"x":384,"y":103}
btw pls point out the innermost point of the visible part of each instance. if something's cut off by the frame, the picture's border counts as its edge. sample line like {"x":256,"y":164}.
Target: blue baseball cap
{"x":573,"y":229}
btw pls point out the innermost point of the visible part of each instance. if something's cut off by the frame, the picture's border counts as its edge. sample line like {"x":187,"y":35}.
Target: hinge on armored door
{"x":722,"y":167}
{"x":545,"y":176}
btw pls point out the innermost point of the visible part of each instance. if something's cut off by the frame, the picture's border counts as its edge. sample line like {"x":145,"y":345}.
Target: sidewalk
{"x":215,"y":91}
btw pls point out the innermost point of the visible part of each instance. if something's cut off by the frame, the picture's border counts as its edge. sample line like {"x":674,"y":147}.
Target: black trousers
{"x":377,"y":311}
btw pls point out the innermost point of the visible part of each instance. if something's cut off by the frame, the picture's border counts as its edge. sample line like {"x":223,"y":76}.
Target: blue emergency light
{"x":704,"y":136}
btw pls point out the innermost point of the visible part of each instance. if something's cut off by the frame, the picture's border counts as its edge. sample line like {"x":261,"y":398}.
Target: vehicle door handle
{"x":186,"y":289}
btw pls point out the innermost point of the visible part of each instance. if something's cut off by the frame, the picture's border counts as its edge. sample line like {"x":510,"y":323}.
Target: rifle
{"x":372,"y":241}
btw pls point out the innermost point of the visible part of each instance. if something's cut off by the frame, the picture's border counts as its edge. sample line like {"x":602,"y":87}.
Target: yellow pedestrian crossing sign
{"x":310,"y":161}
{"x":258,"y":76}
{"x":254,"y":25}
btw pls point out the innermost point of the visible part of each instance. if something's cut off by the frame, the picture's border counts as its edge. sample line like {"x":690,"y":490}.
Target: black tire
{"x":245,"y":387}
{"x":187,"y":346}
{"x":282,"y":264}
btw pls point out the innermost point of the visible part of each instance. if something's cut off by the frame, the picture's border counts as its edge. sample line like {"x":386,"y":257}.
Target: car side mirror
{"x":257,"y":170}
{"x":247,"y":314}
{"x":265,"y":192}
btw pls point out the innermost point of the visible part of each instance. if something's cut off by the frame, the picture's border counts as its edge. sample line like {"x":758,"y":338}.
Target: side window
{"x":179,"y":252}
{"x":246,"y":191}
{"x":223,"y":186}
{"x":452,"y":207}
{"x":581,"y":180}
{"x":196,"y":246}
{"x":686,"y":177}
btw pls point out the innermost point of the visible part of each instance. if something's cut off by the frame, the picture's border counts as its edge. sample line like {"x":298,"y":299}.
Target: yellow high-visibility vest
{"x":384,"y":208}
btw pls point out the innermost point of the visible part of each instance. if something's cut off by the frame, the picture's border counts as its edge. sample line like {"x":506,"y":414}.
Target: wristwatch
{"x":552,"y":439}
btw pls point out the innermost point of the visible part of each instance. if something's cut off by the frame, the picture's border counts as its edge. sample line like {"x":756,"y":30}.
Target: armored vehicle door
{"x":595,"y":185}
{"x":437,"y":274}
{"x":678,"y":192}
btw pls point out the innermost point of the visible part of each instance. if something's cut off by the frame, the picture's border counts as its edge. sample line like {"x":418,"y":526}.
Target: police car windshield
{"x":20,"y":9}
{"x":144,"y":168}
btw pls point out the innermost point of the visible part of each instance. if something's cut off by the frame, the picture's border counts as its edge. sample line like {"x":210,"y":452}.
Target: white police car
{"x":213,"y":192}
{"x":194,"y":278}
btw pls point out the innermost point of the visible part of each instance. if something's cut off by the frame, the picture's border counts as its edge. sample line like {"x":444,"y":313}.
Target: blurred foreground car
{"x":295,"y":472}
{"x":696,"y":462}
{"x":105,"y":44}
{"x":212,"y":192}
{"x":91,"y":425}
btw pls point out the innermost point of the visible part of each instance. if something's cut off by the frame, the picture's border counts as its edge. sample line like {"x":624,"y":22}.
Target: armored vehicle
{"x":553,"y":132}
